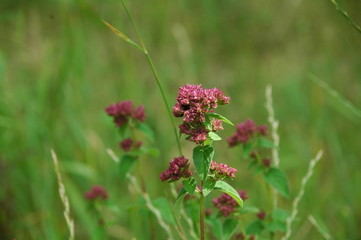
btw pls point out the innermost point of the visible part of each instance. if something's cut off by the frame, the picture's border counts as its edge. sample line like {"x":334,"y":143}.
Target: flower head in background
{"x":226,"y":204}
{"x":96,"y":192}
{"x":178,"y":168}
{"x":128,"y":144}
{"x":123,"y":111}
{"x":193,"y":104}
{"x":245,"y":132}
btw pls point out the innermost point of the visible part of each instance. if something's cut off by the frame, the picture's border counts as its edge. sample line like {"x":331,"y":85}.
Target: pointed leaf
{"x":190,"y":185}
{"x":214,"y":136}
{"x":148,"y":132}
{"x":265,"y":143}
{"x":247,"y":149}
{"x":226,"y":188}
{"x":255,"y":227}
{"x":202,"y":157}
{"x":277,"y":179}
{"x":178,"y":201}
{"x":229,"y":228}
{"x":126,"y":164}
{"x":218,"y":116}
{"x":208,"y":186}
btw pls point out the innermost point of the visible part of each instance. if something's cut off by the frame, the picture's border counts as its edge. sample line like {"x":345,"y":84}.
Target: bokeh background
{"x":60,"y":66}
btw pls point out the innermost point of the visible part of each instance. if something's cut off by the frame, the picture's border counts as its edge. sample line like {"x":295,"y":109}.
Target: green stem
{"x":201,"y":213}
{"x":156,"y":77}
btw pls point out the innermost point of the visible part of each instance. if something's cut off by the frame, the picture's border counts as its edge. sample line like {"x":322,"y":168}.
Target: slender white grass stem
{"x":296,"y":201}
{"x":148,"y":201}
{"x":63,"y":196}
{"x":275,"y":137}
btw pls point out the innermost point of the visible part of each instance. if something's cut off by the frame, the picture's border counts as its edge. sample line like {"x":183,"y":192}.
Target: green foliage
{"x":230,"y":226}
{"x":265,"y":143}
{"x":214,"y":136}
{"x":126,"y":163}
{"x":202,"y":157}
{"x":208,"y":186}
{"x":226,"y":188}
{"x":190,"y":185}
{"x":220,"y":117}
{"x":255,"y":227}
{"x":144,"y":128}
{"x":277,"y":179}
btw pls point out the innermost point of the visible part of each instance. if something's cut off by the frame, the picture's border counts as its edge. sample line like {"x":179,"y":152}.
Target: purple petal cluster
{"x":122,"y":111}
{"x":222,"y":171}
{"x":96,"y":192}
{"x":178,"y":168}
{"x":245,"y":131}
{"x":128,"y":144}
{"x":193,"y":103}
{"x":226,"y":204}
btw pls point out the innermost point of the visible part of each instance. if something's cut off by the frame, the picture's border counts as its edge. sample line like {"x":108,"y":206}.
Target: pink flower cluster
{"x":226,"y":204}
{"x":178,"y":168}
{"x":124,"y":110}
{"x":245,"y":131}
{"x":222,"y":171}
{"x":128,"y":144}
{"x":96,"y":192}
{"x":193,"y":103}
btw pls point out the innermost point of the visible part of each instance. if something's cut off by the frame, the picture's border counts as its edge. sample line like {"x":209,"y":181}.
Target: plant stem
{"x":156,"y":77}
{"x":201,"y":213}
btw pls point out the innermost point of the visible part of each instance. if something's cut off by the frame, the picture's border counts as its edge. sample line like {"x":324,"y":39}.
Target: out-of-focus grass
{"x":60,"y":66}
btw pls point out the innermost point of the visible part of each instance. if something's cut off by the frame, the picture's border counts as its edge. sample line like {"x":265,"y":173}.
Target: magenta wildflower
{"x":226,"y":204}
{"x":243,"y":195}
{"x":193,"y":103}
{"x":222,"y":171}
{"x":122,"y":111}
{"x":239,"y":236}
{"x":267,"y":162}
{"x":128,"y":144}
{"x":178,"y":168}
{"x":263,"y":130}
{"x":96,"y":192}
{"x":216,"y":125}
{"x":261,"y":215}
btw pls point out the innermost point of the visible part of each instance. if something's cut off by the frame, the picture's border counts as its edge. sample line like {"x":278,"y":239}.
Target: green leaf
{"x":255,"y":227}
{"x":214,"y":136}
{"x":226,"y":188}
{"x":277,"y":179}
{"x":126,"y":164}
{"x":154,"y":152}
{"x":123,"y":130}
{"x":252,"y":164}
{"x":229,"y":228}
{"x":202,"y":157}
{"x":162,"y":204}
{"x":178,"y":201}
{"x":275,"y":226}
{"x":208,"y":123}
{"x":265,"y":143}
{"x":216,"y":227}
{"x":190,"y":185}
{"x":208,"y":186}
{"x":247,"y":149}
{"x":248,"y":209}
{"x":218,"y":116}
{"x":280,"y":215}
{"x":144,"y":128}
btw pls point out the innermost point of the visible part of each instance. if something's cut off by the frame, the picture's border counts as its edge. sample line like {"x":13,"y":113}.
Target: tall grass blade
{"x":63,"y":196}
{"x":123,"y":36}
{"x":335,"y":94}
{"x":345,"y":14}
{"x":298,"y":198}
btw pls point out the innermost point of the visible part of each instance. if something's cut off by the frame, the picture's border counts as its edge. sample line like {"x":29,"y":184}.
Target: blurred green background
{"x":60,"y":66}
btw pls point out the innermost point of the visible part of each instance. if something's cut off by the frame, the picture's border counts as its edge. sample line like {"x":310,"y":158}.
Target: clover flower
{"x":261,"y":215}
{"x":96,"y":192}
{"x":222,"y":171}
{"x":193,"y":104}
{"x":123,"y":111}
{"x":178,"y":168}
{"x":226,"y":204}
